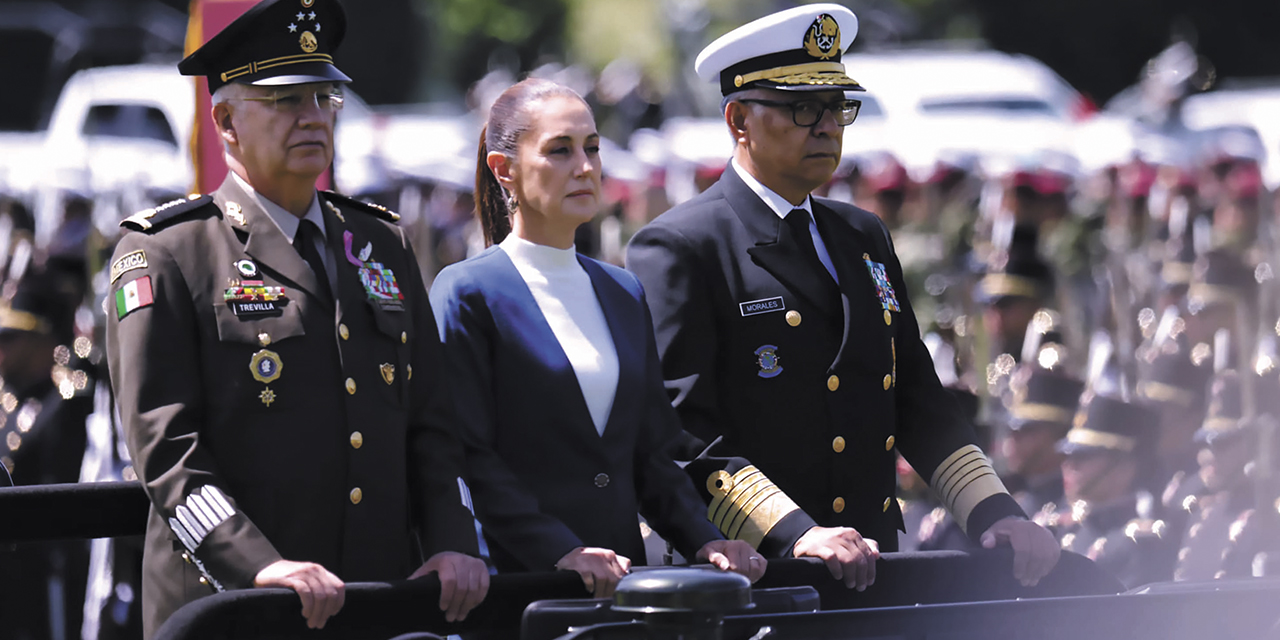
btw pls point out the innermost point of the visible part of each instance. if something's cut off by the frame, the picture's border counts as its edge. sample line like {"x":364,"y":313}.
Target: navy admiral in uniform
{"x":276,"y":360}
{"x":787,"y":341}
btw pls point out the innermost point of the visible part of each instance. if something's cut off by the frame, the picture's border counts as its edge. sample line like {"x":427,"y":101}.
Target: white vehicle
{"x":939,"y":102}
{"x":118,"y":131}
{"x":1257,"y":107}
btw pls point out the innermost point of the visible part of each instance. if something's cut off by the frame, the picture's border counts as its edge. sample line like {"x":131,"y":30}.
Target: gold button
{"x":204,"y":581}
{"x":888,"y":382}
{"x":264,"y":338}
{"x":356,"y":495}
{"x":343,"y":331}
{"x":408,"y":371}
{"x":887,"y":501}
{"x":888,"y":318}
{"x":404,"y":337}
{"x":351,"y":386}
{"x":357,"y":440}
{"x":837,"y":445}
{"x":793,"y":318}
{"x":888,"y":444}
{"x":837,"y":505}
{"x":186,"y":558}
{"x":833,"y":383}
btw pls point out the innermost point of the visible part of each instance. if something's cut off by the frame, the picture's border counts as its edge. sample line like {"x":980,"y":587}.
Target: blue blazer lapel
{"x":538,"y":338}
{"x":625,"y":318}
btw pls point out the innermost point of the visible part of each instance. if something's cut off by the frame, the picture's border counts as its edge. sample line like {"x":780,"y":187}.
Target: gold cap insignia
{"x":308,"y":42}
{"x":388,"y":372}
{"x":822,"y":40}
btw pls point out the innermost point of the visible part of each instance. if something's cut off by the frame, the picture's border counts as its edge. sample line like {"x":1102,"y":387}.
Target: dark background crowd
{"x":1092,"y":258}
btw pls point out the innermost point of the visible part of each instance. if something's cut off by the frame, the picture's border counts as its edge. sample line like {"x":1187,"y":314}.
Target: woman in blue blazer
{"x":553,"y":362}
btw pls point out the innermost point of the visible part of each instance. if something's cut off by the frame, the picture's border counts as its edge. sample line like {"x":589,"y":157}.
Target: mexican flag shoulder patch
{"x":134,"y":295}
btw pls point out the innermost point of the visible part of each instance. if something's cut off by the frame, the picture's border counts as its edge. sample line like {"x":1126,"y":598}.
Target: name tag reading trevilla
{"x":757,"y":307}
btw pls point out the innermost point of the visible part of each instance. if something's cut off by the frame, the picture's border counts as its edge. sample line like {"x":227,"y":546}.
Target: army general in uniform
{"x":275,"y":356}
{"x":787,"y":340}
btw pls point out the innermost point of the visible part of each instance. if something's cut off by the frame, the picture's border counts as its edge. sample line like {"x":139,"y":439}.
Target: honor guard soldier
{"x":787,"y":340}
{"x":1107,"y":451}
{"x":1017,"y":285}
{"x":263,"y":341}
{"x":1172,"y":378}
{"x":1042,"y":404}
{"x":42,"y":441}
{"x":1218,"y":503}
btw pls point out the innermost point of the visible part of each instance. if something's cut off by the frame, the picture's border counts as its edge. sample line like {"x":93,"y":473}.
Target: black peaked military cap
{"x":1226,"y":409}
{"x":1043,"y":396}
{"x":1168,"y":373}
{"x":276,"y":42}
{"x":1106,"y":423}
{"x":1018,"y":271}
{"x":1220,"y":277}
{"x":39,"y":306}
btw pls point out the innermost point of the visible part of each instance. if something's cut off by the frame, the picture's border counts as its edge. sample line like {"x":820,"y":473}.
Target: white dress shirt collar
{"x":776,"y":203}
{"x":285,"y":221}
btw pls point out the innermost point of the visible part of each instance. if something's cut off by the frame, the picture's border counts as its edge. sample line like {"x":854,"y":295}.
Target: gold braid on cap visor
{"x":254,"y":67}
{"x":808,"y":73}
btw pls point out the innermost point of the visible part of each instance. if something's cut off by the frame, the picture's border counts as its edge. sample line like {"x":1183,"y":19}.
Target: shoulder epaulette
{"x":367,"y":207}
{"x":152,"y":219}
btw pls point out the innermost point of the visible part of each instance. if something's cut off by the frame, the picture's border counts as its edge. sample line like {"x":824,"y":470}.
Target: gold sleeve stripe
{"x":964,"y":480}
{"x":747,"y":505}
{"x":734,"y":488}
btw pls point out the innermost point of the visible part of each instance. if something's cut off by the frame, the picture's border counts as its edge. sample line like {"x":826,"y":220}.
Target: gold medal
{"x":265,"y":366}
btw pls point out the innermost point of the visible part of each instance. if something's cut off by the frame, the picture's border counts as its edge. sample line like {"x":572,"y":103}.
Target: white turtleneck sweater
{"x":564,"y":294}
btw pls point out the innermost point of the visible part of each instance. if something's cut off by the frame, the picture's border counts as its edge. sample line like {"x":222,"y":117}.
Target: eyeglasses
{"x":326,"y":101}
{"x":806,"y":113}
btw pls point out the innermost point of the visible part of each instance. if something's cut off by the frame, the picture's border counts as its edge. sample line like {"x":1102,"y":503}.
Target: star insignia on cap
{"x":293,"y":28}
{"x":317,"y":27}
{"x":311,"y":16}
{"x":301,"y":15}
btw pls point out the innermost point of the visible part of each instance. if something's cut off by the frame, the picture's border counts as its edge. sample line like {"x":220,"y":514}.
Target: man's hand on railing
{"x":736,"y":556}
{"x":322,"y":593}
{"x":464,"y":582}
{"x":1035,"y":551}
{"x":848,"y":556}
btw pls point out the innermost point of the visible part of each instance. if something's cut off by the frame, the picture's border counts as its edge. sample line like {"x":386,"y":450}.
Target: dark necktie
{"x":305,"y":241}
{"x":798,"y":220}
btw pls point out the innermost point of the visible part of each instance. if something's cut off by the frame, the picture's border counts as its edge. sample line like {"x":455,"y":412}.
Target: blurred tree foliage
{"x":435,"y":49}
{"x":1101,"y":46}
{"x":468,"y":38}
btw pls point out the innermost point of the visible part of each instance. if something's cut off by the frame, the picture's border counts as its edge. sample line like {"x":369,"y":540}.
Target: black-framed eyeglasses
{"x":806,"y":113}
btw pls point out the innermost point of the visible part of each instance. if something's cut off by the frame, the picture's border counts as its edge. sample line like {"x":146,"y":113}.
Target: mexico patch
{"x":134,"y":295}
{"x":128,"y":262}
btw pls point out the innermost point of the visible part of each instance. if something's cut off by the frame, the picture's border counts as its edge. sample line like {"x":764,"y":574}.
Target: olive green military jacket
{"x":267,"y":421}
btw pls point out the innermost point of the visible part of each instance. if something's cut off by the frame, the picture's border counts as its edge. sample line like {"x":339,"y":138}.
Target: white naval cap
{"x":794,"y":50}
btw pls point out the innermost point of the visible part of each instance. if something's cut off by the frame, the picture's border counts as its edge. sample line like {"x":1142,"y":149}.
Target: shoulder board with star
{"x":367,"y":207}
{"x":150,"y":220}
